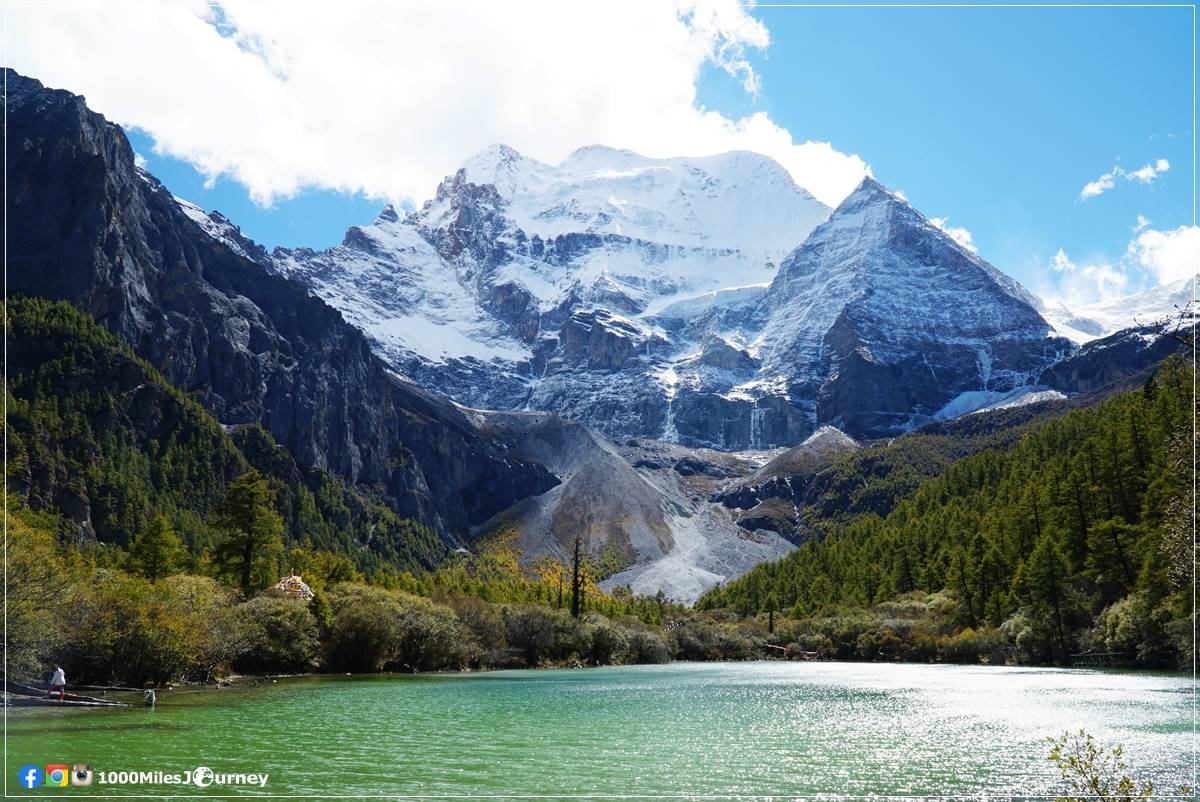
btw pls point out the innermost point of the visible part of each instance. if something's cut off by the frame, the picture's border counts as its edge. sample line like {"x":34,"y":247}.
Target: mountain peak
{"x":497,"y":152}
{"x":501,"y":166}
{"x":387,"y":214}
{"x":869,"y":191}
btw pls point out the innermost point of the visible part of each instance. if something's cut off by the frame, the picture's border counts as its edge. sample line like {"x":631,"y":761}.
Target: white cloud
{"x":1149,"y":172}
{"x":1144,"y":174}
{"x":1167,"y":255}
{"x":1142,"y":223}
{"x":1152,"y":258}
{"x":1098,"y":187}
{"x":1079,"y":285}
{"x":387,"y":99}
{"x":957,"y":233}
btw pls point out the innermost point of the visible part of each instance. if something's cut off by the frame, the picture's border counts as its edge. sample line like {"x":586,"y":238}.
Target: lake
{"x":686,"y":729}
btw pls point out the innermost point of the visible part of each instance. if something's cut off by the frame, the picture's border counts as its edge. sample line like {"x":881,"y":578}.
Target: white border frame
{"x":823,"y":796}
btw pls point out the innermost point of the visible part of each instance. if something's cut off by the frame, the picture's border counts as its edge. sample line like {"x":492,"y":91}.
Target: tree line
{"x":1076,"y":537}
{"x":154,"y":614}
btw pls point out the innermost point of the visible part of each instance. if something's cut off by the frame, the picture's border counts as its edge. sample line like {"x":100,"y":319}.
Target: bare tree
{"x":1179,"y":325}
{"x":576,"y":582}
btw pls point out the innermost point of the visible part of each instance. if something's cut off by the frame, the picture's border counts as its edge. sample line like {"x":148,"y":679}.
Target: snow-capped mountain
{"x":880,"y":319}
{"x":696,"y":301}
{"x":706,"y":301}
{"x":1089,"y":322}
{"x":471,"y":293}
{"x":702,"y":302}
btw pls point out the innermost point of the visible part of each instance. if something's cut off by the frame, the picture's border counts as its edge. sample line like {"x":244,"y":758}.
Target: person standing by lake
{"x":58,"y":682}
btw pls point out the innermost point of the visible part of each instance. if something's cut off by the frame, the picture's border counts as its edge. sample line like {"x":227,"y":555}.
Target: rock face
{"x":767,"y":498}
{"x":1110,"y":362}
{"x":642,"y":297}
{"x":88,"y":227}
{"x":643,"y":508}
{"x":879,"y":319}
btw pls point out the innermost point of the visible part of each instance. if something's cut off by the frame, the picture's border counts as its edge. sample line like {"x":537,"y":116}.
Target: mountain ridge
{"x":613,"y":330}
{"x":251,"y":346}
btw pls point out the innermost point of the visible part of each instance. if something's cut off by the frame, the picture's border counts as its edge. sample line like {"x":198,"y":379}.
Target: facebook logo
{"x":30,"y":776}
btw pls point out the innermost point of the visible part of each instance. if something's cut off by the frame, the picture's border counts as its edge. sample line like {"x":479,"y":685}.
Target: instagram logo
{"x":57,"y":775}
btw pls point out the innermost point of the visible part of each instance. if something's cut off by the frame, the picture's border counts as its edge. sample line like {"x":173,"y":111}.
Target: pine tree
{"x":252,"y":530}
{"x":962,"y":587}
{"x":1109,"y":563}
{"x":157,"y":552}
{"x":1045,"y":586}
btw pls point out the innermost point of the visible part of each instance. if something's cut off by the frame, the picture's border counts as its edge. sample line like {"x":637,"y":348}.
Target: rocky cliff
{"x":87,"y":226}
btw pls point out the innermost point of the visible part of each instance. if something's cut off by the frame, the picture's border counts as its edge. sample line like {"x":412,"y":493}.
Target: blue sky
{"x":994,"y":118}
{"x":315,"y":218}
{"x":997,"y":117}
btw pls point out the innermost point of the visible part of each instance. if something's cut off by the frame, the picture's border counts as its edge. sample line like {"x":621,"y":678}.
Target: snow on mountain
{"x":518,"y":271}
{"x":706,"y":301}
{"x":732,"y":201}
{"x":391,"y":283}
{"x":974,"y":401}
{"x":613,"y":223}
{"x":873,"y":324}
{"x":1089,"y":322}
{"x":879,"y":319}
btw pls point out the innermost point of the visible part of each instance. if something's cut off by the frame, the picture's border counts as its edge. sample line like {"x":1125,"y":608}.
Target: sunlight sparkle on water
{"x":731,"y":728}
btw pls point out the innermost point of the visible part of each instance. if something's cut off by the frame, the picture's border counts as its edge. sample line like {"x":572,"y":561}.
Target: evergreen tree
{"x":253,"y":529}
{"x":1109,"y":563}
{"x":966,"y":599}
{"x":157,"y":552}
{"x":1045,"y":588}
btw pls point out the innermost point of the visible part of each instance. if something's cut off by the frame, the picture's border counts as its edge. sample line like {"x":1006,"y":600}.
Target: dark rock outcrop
{"x":786,"y":476}
{"x":1112,"y":360}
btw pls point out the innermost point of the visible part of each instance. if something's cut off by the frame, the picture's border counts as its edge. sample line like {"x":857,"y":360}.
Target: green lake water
{"x":731,"y":729}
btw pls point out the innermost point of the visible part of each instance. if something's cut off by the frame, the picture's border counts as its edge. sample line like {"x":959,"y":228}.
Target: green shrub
{"x":285,"y":636}
{"x":644,"y":646}
{"x":607,"y":642}
{"x":128,"y":630}
{"x":985,"y":645}
{"x":541,"y":634}
{"x":430,"y":637}
{"x":485,"y":626}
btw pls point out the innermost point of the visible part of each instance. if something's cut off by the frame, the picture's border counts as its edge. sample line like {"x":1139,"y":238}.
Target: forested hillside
{"x":142,"y":535}
{"x":1066,"y":540}
{"x":97,"y":434}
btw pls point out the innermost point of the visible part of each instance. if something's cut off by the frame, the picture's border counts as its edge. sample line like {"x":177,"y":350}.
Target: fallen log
{"x":107,"y":688}
{"x":13,"y":700}
{"x":32,"y":691}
